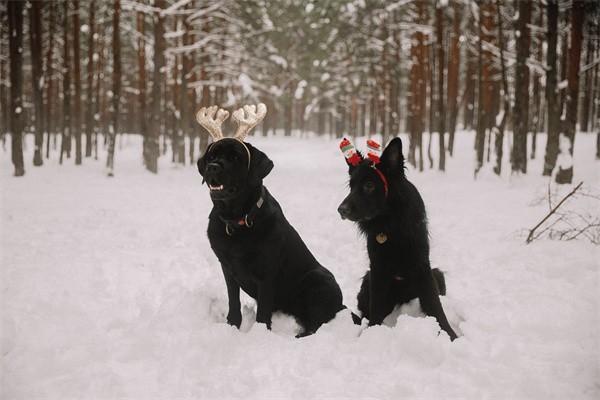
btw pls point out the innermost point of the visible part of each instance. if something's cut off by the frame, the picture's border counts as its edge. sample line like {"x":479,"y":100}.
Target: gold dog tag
{"x":381,"y":238}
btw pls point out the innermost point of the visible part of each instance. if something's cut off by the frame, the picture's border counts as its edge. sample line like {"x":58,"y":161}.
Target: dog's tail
{"x":440,"y":281}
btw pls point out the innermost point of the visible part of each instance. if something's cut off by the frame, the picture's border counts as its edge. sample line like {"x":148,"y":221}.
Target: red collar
{"x":383,"y":179}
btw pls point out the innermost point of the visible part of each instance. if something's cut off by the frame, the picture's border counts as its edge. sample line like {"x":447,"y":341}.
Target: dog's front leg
{"x":379,"y":304}
{"x":265,"y":301}
{"x":234,"y":316}
{"x":431,"y":305}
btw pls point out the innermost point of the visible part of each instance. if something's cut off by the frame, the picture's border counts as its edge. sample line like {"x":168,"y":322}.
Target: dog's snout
{"x":345,"y":210}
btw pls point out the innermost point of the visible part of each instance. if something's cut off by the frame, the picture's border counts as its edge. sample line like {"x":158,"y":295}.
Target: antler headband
{"x":246,"y":117}
{"x":354,"y":158}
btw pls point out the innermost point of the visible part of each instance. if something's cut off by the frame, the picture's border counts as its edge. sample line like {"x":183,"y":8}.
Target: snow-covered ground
{"x":110,"y":289}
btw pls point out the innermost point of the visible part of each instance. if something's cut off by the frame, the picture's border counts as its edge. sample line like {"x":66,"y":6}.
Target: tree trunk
{"x":152,"y":150}
{"x":35,"y":36}
{"x":15,"y":43}
{"x":565,"y":171}
{"x":77,"y":82}
{"x":89,"y":120}
{"x":521,"y":108}
{"x":500,"y":125}
{"x":484,"y":103}
{"x":141,"y":58}
{"x":116,"y":44}
{"x":50,"y":118}
{"x":552,"y":89}
{"x":441,"y":114}
{"x":453,"y":73}
{"x":587,"y":88}
{"x":535,"y":118}
{"x":65,"y":145}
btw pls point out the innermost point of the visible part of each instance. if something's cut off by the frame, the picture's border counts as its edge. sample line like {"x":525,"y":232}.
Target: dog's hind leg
{"x":322,"y":300}
{"x":439,"y":281}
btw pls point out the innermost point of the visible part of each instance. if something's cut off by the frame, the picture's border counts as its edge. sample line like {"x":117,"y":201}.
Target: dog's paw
{"x":235,"y":319}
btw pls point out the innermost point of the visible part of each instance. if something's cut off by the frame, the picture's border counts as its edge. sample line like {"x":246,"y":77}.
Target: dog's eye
{"x":369,"y":187}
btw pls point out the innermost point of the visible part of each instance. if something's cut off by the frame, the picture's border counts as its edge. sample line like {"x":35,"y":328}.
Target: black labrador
{"x":260,"y":252}
{"x":390,"y":212}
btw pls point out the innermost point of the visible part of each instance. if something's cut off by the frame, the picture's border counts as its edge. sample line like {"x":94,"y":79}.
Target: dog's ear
{"x":392,"y":159}
{"x":260,"y":165}
{"x":201,"y":164}
{"x":352,"y":165}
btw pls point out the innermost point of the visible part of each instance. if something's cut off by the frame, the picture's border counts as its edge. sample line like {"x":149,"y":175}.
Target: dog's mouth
{"x":215,"y":188}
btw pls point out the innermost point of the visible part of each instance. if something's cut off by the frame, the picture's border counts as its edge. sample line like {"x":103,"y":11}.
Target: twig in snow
{"x":530,"y":237}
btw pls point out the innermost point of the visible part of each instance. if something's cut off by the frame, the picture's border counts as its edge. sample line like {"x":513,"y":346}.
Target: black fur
{"x":399,"y":267}
{"x":268,"y":260}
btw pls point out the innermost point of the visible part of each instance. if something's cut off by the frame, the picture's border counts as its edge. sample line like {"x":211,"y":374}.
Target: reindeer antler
{"x":247,"y":118}
{"x":206,"y":118}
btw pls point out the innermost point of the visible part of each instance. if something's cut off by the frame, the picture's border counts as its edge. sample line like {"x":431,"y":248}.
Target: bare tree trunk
{"x":484,"y":103}
{"x":65,"y":145}
{"x":453,"y":72}
{"x":89,"y":120}
{"x":587,"y":88}
{"x":4,"y":112}
{"x":535,"y":118}
{"x":521,"y":109}
{"x":499,"y":128}
{"x":152,"y":150}
{"x":116,"y":87}
{"x":50,"y":118}
{"x":15,"y":42}
{"x":440,"y":111}
{"x":552,"y":88}
{"x":77,"y":82}
{"x":141,"y":58}
{"x":565,"y":172}
{"x":35,"y":36}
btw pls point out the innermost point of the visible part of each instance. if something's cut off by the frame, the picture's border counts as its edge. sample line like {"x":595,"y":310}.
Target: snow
{"x":246,"y":84}
{"x":110,"y":288}
{"x":278,"y":60}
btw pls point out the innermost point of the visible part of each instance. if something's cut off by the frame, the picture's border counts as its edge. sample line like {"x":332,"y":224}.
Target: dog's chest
{"x":392,"y":253}
{"x":242,"y":261}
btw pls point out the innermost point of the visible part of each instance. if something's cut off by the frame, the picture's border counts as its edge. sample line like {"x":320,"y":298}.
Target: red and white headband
{"x":354,"y":158}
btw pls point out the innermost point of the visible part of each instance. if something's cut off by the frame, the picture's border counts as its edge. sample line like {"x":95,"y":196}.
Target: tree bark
{"x":65,"y":145}
{"x":453,"y":73}
{"x":116,"y":45}
{"x":35,"y":39}
{"x":77,"y":82}
{"x":521,"y":108}
{"x":15,"y":43}
{"x":141,"y":58}
{"x":50,"y":118}
{"x":152,"y":150}
{"x":587,"y":88}
{"x":90,"y":109}
{"x":440,"y":111}
{"x":552,"y":102}
{"x":565,"y":172}
{"x":499,"y":128}
{"x":484,"y":103}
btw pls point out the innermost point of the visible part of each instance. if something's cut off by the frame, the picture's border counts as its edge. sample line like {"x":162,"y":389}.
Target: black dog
{"x":259,"y":250}
{"x":391,"y":213}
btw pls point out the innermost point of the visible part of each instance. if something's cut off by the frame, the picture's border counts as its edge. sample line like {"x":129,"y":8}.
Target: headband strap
{"x":237,"y":140}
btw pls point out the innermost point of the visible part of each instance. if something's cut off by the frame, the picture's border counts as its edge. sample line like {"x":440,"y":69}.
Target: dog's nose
{"x":345,"y":210}
{"x":213,"y":167}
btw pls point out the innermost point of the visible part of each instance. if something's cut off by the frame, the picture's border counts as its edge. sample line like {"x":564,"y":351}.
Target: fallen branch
{"x":531,"y":237}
